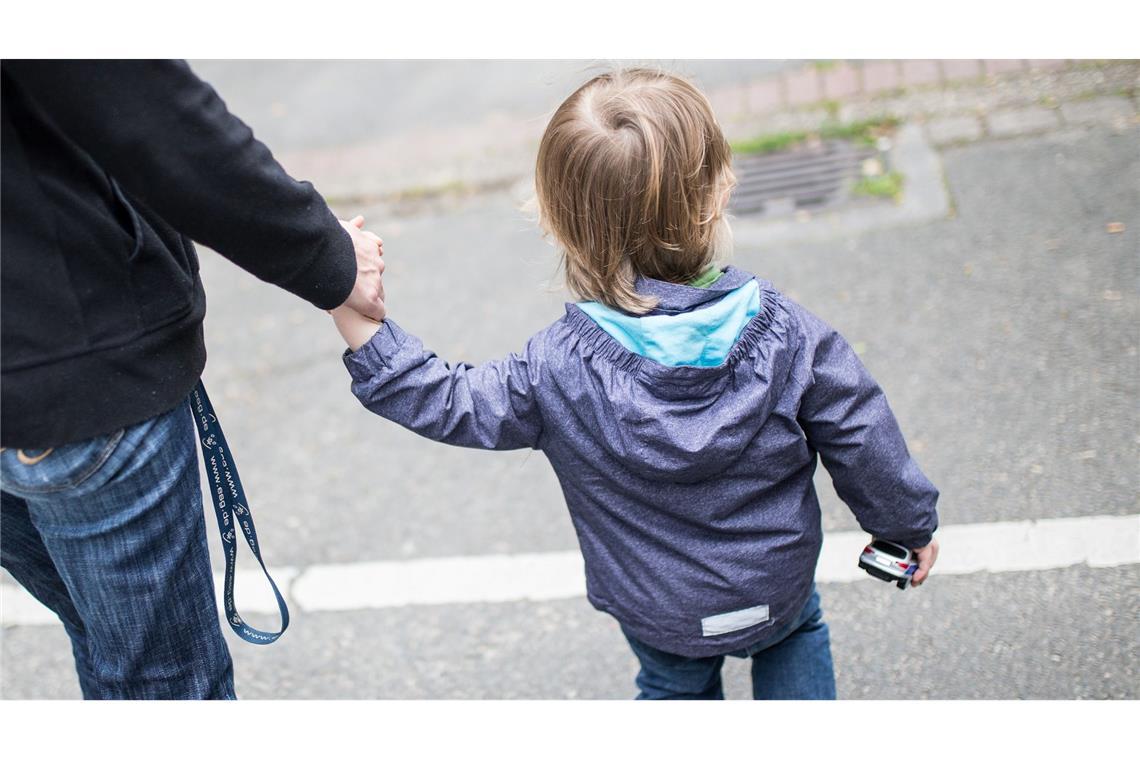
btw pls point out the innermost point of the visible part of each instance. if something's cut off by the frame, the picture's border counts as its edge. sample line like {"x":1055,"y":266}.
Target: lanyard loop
{"x":233,"y":513}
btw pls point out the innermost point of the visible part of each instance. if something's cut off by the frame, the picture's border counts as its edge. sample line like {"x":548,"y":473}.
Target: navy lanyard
{"x":232,"y":511}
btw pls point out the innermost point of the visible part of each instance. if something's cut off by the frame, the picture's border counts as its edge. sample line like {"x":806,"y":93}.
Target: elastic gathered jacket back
{"x":690,"y":488}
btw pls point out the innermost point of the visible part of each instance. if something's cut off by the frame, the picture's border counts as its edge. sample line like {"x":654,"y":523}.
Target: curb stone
{"x":1097,"y":110}
{"x":953,"y":129}
{"x":1022,"y":121}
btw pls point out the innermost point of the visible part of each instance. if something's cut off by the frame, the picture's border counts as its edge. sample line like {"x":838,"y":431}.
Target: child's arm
{"x":355,"y":328}
{"x":845,"y":416}
{"x":491,"y":406}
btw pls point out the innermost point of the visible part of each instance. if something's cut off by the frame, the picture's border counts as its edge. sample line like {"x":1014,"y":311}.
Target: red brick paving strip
{"x":843,"y":79}
{"x":1003,"y":65}
{"x":766,"y":95}
{"x":803,"y":86}
{"x":920,"y":72}
{"x":840,"y":81}
{"x":879,"y":76}
{"x":1047,"y":64}
{"x":960,"y":68}
{"x":729,"y":101}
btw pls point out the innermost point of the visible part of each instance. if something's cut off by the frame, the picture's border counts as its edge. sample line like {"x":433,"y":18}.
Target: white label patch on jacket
{"x":727,"y":622}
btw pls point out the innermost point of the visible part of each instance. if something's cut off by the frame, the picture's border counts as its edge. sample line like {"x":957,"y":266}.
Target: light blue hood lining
{"x":700,"y":338}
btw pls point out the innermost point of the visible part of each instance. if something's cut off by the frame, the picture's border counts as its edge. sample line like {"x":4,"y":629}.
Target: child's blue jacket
{"x":690,"y":487}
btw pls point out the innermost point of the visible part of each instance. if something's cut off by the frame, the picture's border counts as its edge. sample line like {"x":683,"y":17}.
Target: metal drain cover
{"x":809,"y":177}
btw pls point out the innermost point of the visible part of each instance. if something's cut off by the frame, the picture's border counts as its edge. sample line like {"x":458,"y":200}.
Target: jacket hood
{"x":687,"y":423}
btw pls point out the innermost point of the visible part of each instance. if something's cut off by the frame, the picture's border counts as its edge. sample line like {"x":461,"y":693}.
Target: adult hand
{"x":926,"y":558}
{"x":367,"y":295}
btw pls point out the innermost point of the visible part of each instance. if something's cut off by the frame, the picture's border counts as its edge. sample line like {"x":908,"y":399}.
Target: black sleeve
{"x":169,"y":140}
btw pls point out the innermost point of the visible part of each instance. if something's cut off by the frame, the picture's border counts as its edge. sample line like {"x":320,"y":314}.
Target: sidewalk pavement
{"x":956,"y":101}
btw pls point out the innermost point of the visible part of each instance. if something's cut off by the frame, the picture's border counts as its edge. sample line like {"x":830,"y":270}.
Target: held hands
{"x":367,"y":295}
{"x":358,"y":318}
{"x":926,"y":558}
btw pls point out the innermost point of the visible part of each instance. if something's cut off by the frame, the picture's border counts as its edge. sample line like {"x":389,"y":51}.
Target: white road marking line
{"x":1000,"y":547}
{"x":251,"y":590}
{"x":450,"y":580}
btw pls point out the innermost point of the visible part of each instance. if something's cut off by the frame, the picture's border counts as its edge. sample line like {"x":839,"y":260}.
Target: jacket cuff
{"x":917,"y":542}
{"x":366,"y":361}
{"x":328,"y":278}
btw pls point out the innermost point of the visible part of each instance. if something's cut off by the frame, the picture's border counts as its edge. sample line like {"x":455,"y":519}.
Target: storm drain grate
{"x":810,"y":177}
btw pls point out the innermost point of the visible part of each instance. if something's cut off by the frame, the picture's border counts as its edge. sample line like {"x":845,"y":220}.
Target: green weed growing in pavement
{"x":882,"y":186}
{"x":864,"y":132}
{"x":770,"y":143}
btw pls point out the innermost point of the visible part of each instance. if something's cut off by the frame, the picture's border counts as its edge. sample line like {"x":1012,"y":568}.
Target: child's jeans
{"x":797,"y":666}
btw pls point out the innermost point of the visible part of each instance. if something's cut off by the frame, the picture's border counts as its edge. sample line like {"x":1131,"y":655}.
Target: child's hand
{"x":367,"y":294}
{"x":926,"y":558}
{"x":354,"y":327}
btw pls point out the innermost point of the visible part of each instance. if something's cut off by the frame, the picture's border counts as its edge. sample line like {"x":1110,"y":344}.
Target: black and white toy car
{"x":889,"y":562}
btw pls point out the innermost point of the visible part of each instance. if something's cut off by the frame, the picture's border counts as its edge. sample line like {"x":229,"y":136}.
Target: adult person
{"x":109,"y":170}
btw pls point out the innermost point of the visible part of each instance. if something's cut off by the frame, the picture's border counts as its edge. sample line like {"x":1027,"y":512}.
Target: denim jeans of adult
{"x":797,"y":665}
{"x":109,"y":534}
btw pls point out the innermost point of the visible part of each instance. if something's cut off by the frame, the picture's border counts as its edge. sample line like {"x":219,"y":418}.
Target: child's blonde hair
{"x":633,"y":176}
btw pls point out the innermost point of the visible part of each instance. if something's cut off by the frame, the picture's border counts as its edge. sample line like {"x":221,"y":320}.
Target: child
{"x":681,"y":405}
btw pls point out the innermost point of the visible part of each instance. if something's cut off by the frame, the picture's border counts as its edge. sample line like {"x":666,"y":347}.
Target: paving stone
{"x":1083,"y":79}
{"x":1106,"y":110}
{"x":879,"y":76}
{"x":917,"y":72}
{"x":1020,"y":121}
{"x":955,"y":69}
{"x":803,"y":86}
{"x":841,"y":81}
{"x":766,"y":95}
{"x":952,"y":129}
{"x":921,"y":103}
{"x":799,"y":119}
{"x":1047,"y":64}
{"x":728,"y":102}
{"x":1003,"y":65}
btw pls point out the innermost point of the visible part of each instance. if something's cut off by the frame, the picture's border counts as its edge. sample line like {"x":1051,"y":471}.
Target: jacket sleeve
{"x":490,"y":406}
{"x":169,"y":140}
{"x":845,"y":417}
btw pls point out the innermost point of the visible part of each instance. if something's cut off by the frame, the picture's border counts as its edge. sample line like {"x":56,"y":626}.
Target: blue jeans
{"x":797,"y":665}
{"x":109,"y":534}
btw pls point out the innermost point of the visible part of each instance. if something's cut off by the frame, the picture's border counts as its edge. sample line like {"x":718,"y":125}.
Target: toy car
{"x":889,"y":562}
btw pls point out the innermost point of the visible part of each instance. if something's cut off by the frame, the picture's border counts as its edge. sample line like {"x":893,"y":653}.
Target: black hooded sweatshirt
{"x":109,"y":170}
